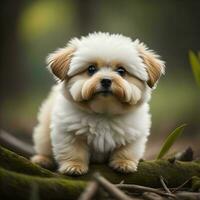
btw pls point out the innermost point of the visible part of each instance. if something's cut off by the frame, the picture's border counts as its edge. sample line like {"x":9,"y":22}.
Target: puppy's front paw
{"x":124,"y":165}
{"x":73,"y":168}
{"x":43,"y":161}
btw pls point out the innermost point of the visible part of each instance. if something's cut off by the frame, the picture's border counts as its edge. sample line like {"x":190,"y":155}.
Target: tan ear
{"x":59,"y":61}
{"x":154,"y":66}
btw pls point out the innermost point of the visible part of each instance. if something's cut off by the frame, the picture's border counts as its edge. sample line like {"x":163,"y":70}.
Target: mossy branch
{"x":149,"y":172}
{"x":196,"y":183}
{"x":18,"y":174}
{"x":20,"y":186}
{"x":11,"y":161}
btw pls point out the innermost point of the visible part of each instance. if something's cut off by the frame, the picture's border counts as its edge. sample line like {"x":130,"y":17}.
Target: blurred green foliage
{"x":170,"y":140}
{"x":42,"y":27}
{"x":195,"y":63}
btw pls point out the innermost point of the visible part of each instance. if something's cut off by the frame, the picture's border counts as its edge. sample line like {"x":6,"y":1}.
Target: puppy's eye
{"x":92,"y":69}
{"x":121,"y":71}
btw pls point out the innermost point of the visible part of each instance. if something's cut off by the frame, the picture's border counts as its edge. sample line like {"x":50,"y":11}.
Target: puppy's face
{"x":105,"y":87}
{"x":104,"y":73}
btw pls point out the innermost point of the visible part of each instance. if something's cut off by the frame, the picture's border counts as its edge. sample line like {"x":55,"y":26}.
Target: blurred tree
{"x":87,"y":15}
{"x":11,"y":76}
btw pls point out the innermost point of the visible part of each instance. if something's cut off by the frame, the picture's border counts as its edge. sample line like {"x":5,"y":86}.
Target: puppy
{"x":98,"y":111}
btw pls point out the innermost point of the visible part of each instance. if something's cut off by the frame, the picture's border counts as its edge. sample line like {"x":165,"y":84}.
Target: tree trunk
{"x":87,"y":12}
{"x":11,"y":76}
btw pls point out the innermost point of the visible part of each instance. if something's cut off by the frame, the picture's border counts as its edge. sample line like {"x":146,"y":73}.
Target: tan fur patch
{"x":43,"y":161}
{"x":41,"y":134}
{"x":59,"y":62}
{"x":135,"y":81}
{"x":117,"y":88}
{"x":155,"y":67}
{"x":122,"y":159}
{"x":90,"y":87}
{"x":76,"y":161}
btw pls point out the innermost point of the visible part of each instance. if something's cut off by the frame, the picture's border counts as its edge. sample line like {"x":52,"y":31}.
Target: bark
{"x":18,"y":177}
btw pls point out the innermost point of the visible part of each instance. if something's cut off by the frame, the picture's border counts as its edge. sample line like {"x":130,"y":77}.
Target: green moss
{"x":196,"y":183}
{"x":19,"y":186}
{"x":12,"y":161}
{"x":149,"y":172}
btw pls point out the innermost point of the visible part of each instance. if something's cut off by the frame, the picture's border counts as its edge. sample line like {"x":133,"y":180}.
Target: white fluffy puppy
{"x":98,"y":111}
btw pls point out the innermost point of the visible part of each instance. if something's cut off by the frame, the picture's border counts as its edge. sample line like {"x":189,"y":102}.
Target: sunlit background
{"x":32,"y":29}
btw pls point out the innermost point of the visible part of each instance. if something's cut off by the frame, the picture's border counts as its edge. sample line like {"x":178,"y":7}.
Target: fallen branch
{"x":90,"y":191}
{"x":18,"y":174}
{"x":16,"y":144}
{"x":181,"y":186}
{"x":164,"y":185}
{"x":110,"y":188}
{"x":11,"y":161}
{"x":188,"y":195}
{"x":135,"y":188}
{"x":19,"y":186}
{"x":152,"y":196}
{"x":148,"y":172}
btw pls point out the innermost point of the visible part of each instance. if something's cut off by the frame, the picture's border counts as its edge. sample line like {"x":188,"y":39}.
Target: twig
{"x":112,"y":189}
{"x":181,"y":186}
{"x":188,"y":195}
{"x":15,"y":144}
{"x":152,"y":196}
{"x":143,"y":189}
{"x":164,"y":185}
{"x":90,"y":191}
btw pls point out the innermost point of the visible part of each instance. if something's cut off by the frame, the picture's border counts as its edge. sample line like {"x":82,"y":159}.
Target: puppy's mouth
{"x":104,"y":93}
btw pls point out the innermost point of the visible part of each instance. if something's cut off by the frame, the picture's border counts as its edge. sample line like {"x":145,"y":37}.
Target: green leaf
{"x":170,"y":141}
{"x":195,"y":63}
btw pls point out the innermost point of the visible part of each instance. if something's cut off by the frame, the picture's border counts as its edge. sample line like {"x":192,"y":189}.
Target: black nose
{"x":106,"y":83}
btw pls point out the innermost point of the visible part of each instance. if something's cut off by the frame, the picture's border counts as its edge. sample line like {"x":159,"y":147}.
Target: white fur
{"x":107,"y":47}
{"x":119,"y":135}
{"x":104,"y":133}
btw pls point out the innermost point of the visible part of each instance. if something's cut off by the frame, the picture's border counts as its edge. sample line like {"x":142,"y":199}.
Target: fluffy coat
{"x":79,"y":123}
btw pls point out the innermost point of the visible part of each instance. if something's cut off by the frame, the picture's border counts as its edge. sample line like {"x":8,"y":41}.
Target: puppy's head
{"x":106,"y":73}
